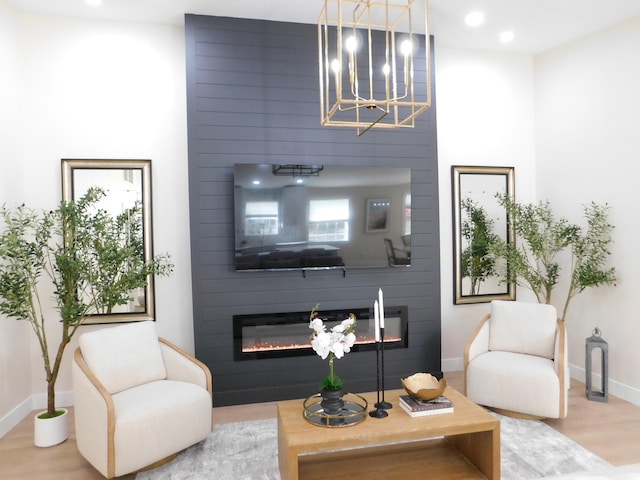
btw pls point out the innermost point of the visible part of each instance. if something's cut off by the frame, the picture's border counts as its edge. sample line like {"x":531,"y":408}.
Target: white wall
{"x":93,"y":89}
{"x":588,"y":144}
{"x":15,"y":369}
{"x":485,"y":106}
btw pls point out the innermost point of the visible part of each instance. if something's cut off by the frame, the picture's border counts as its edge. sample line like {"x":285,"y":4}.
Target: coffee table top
{"x":397,"y":427}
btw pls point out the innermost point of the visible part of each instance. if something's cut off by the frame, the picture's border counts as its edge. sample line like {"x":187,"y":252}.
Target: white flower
{"x":350,"y":339}
{"x":339,"y":340}
{"x":338,"y":328}
{"x":321,"y":343}
{"x":343,"y":345}
{"x":348,"y":322}
{"x":317,"y":325}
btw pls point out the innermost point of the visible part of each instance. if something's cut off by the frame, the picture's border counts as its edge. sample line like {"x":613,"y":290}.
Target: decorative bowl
{"x":424,"y":386}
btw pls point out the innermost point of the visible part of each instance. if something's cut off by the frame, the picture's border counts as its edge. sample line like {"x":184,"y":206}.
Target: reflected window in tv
{"x":320,"y":220}
{"x":329,"y":220}
{"x":261,"y":218}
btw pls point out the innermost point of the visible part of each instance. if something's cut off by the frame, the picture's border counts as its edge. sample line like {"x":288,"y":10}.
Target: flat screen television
{"x":321,"y":217}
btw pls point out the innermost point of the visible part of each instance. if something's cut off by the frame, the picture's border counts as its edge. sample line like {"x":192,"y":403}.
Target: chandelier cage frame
{"x":366,"y":78}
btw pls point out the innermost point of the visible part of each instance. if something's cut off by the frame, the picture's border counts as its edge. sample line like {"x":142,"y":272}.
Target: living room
{"x":92,"y":88}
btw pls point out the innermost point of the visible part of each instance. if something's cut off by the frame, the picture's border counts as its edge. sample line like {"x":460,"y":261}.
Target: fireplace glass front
{"x":275,"y":335}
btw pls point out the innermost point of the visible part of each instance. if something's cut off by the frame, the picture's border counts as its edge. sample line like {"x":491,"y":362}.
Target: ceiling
{"x":538,"y":25}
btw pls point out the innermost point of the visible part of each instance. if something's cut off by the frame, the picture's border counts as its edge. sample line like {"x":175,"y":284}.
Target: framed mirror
{"x":126,"y":183}
{"x":478,"y":218}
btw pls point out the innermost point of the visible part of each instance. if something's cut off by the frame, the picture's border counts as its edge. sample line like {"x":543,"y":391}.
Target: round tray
{"x":353,"y":412}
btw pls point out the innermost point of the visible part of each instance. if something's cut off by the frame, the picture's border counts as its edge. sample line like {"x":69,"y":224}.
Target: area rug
{"x":249,"y":451}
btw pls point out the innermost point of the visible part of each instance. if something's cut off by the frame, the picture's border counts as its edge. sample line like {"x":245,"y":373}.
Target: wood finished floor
{"x":610,"y":430}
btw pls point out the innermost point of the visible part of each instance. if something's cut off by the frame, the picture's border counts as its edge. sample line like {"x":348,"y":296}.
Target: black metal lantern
{"x":593,"y":342}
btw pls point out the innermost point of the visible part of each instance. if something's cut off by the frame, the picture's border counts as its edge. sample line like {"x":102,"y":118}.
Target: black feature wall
{"x":252,"y":97}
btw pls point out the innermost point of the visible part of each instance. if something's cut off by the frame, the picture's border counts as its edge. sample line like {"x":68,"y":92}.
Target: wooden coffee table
{"x":464,"y":444}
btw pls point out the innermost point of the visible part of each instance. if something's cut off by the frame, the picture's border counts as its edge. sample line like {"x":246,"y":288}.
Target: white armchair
{"x":515,"y":362}
{"x":138,"y":399}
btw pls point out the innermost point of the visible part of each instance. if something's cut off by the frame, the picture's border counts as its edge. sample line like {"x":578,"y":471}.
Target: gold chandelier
{"x":368,"y":52}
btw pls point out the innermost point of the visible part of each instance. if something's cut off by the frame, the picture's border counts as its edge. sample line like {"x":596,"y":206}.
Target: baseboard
{"x":620,"y":390}
{"x":15,"y":416}
{"x":28,"y":405}
{"x":452,"y":364}
{"x":63,"y":399}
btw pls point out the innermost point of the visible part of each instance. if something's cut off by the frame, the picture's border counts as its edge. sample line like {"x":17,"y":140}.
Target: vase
{"x":332,"y":402}
{"x":50,"y":431}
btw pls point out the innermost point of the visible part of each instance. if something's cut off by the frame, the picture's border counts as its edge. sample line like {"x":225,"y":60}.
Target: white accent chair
{"x":138,"y":399}
{"x":515,"y":362}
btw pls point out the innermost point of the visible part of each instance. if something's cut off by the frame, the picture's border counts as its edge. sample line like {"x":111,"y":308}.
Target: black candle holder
{"x":378,"y":412}
{"x":381,"y":404}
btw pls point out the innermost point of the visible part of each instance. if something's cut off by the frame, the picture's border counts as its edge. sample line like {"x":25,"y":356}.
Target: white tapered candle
{"x":376,"y":316}
{"x":381,"y":307}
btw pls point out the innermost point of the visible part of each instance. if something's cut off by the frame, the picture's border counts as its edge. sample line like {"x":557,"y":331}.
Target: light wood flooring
{"x":610,"y":430}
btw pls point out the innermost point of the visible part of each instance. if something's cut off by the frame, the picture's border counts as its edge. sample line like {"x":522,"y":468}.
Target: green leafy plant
{"x":92,"y":260}
{"x":534,"y":262}
{"x":477,"y":229}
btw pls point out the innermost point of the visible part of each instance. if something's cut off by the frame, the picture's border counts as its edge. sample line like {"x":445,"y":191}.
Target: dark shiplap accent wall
{"x":252,"y":97}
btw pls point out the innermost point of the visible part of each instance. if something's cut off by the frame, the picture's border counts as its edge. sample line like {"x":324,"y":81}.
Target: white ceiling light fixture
{"x":368,"y":51}
{"x":93,"y":3}
{"x":507,"y":36}
{"x":474,"y":19}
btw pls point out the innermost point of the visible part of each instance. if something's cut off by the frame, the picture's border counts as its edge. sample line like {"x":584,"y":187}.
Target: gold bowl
{"x":423,"y":386}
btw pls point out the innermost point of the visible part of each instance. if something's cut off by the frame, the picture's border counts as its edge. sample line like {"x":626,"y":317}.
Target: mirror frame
{"x":509,"y":188}
{"x":69,"y":167}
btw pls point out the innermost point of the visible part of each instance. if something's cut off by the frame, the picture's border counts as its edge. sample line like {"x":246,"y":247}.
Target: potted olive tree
{"x":92,"y":261}
{"x":534,"y":262}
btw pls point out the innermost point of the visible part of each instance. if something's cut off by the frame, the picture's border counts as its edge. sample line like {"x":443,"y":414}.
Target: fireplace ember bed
{"x":277,"y":335}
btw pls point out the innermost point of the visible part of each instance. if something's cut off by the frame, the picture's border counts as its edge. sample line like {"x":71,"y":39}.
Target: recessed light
{"x":474,"y":19}
{"x":93,"y":3}
{"x":506,"y":37}
{"x":256,"y":182}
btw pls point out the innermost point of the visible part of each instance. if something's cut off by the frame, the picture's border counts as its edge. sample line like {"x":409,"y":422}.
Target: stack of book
{"x":420,"y":408}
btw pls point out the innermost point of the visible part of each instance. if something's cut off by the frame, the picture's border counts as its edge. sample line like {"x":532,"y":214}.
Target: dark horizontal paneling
{"x":252,"y":96}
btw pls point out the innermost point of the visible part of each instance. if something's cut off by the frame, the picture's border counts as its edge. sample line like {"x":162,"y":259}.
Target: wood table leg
{"x":287,"y":458}
{"x":482,"y":449}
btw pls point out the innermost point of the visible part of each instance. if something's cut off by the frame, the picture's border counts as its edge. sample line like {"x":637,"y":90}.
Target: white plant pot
{"x":50,"y":431}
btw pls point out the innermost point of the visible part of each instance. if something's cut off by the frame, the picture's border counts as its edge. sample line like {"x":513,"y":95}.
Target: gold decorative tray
{"x":353,"y":412}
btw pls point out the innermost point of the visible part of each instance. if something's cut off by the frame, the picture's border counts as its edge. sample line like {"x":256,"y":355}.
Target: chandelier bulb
{"x":351,"y":44}
{"x":406,"y":48}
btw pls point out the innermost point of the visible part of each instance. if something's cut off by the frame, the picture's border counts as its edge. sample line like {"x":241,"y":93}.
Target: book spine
{"x":424,"y":413}
{"x":420,"y":407}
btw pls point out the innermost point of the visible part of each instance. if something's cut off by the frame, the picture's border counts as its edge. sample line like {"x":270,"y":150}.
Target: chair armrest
{"x":479,"y":341}
{"x":560,"y":351}
{"x":477,"y":344}
{"x":184,"y":367}
{"x":561,"y":366}
{"x":94,"y":417}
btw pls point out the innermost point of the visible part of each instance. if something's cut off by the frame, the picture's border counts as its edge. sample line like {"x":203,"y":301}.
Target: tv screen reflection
{"x":321,"y":216}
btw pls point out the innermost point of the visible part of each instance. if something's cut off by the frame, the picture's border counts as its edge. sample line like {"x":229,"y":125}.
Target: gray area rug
{"x":249,"y":451}
{"x":532,"y":449}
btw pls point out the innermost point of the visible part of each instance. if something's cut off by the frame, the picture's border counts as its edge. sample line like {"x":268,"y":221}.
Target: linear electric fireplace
{"x":275,"y":335}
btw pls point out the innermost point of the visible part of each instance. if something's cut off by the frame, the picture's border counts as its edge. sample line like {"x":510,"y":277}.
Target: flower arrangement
{"x":333,"y":344}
